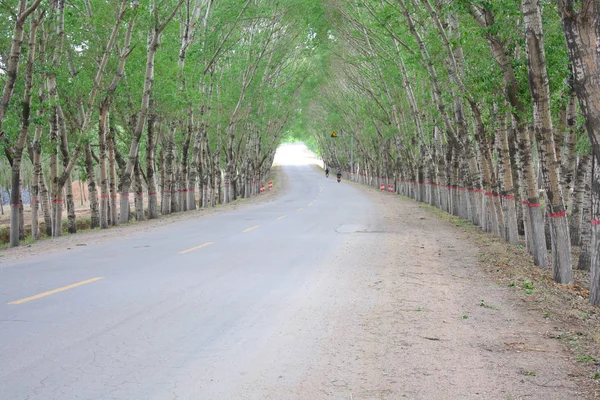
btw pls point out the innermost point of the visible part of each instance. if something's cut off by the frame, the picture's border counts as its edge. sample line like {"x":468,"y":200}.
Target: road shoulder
{"x":415,"y":314}
{"x":90,"y":237}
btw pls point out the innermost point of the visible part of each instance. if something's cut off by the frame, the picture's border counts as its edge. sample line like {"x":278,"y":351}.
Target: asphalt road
{"x":193,"y":310}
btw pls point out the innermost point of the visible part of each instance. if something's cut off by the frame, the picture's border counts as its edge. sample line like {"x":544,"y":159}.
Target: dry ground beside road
{"x":416,"y":315}
{"x":83,"y":238}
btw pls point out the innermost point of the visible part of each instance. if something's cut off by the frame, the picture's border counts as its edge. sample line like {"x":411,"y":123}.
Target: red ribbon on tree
{"x":558,"y":215}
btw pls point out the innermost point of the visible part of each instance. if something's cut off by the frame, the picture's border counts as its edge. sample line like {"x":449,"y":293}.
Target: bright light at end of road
{"x":295,"y":154}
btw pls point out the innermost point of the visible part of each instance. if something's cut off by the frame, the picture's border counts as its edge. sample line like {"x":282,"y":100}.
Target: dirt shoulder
{"x":427,"y":307}
{"x":88,"y":237}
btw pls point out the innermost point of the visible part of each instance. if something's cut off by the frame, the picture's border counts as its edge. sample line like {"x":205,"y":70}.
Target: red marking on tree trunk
{"x":558,"y":215}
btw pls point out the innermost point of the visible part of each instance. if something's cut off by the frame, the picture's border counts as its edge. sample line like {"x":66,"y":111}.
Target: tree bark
{"x":46,"y":207}
{"x":112,"y":168}
{"x":579,"y":198}
{"x":569,"y":154}
{"x":183,"y":177}
{"x":17,"y":154}
{"x":595,"y":236}
{"x":581,"y":27}
{"x":540,"y":92}
{"x":151,"y":167}
{"x":585,"y":251}
{"x":138,"y":192}
{"x":508,"y":192}
{"x":35,"y":189}
{"x":169,"y":187}
{"x":104,"y":192}
{"x":92,"y":189}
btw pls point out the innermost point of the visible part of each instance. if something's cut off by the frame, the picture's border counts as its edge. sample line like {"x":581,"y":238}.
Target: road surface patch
{"x":54,"y":291}
{"x":197,"y":247}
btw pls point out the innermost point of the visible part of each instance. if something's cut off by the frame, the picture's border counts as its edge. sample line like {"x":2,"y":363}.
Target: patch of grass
{"x":489,"y":307}
{"x":465,"y":316}
{"x":420,"y":309}
{"x":528,"y":287}
{"x":527,"y":373}
{"x":595,"y":376}
{"x":586,"y":358}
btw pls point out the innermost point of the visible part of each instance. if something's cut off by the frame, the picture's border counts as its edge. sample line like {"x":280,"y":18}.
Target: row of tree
{"x":150,"y":99}
{"x":488,"y":110}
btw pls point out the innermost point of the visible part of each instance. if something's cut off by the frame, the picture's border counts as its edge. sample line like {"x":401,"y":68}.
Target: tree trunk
{"x":585,"y":251}
{"x":21,"y":216}
{"x":104,"y":192}
{"x":82,"y":191}
{"x":183,"y":179}
{"x":112,"y":168}
{"x":35,"y":189}
{"x":161,"y":166}
{"x":46,"y":207}
{"x":17,"y":154}
{"x":569,"y":154}
{"x":65,"y":180}
{"x":151,"y":167}
{"x":508,"y":192}
{"x":595,"y":237}
{"x":55,"y":193}
{"x":168,"y":145}
{"x":175,"y":189}
{"x":92,"y":189}
{"x":540,"y":92}
{"x":195,"y":171}
{"x":138,"y":192}
{"x":579,"y":196}
{"x":581,"y":21}
{"x":14,"y":202}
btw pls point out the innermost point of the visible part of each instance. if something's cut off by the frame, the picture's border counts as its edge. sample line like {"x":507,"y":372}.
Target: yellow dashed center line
{"x":300,"y":209}
{"x":251,"y":228}
{"x":282,"y":217}
{"x":310,"y":204}
{"x":196,"y":248}
{"x":49,"y":292}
